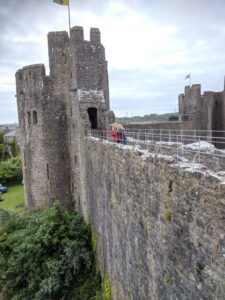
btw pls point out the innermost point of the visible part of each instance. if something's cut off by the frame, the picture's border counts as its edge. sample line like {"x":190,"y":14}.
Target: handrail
{"x":197,"y":147}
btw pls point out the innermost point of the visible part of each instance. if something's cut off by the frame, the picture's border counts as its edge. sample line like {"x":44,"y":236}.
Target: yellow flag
{"x":61,"y":2}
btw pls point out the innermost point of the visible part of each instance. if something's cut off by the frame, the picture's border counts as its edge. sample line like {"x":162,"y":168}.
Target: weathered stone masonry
{"x":54,"y":111}
{"x":160,"y":224}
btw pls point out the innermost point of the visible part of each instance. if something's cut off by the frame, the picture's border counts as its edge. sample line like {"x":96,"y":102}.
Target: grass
{"x":14,"y":198}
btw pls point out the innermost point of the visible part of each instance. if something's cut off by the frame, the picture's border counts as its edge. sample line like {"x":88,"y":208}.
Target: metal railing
{"x":201,"y":146}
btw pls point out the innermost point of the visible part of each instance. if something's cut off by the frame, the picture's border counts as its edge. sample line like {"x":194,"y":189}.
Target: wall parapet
{"x":159,"y":222}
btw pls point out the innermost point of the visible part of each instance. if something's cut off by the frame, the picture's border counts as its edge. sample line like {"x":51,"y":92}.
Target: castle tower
{"x":92,"y":76}
{"x":44,"y":149}
{"x":190,"y":106}
{"x":89,"y":102}
{"x":53,"y":112}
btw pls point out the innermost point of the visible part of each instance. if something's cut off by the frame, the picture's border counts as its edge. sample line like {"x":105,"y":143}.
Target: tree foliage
{"x":148,"y":118}
{"x":2,"y":146}
{"x":47,"y":255}
{"x":11,"y":169}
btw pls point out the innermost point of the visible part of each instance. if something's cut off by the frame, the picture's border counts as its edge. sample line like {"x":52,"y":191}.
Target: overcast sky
{"x":151,"y":45}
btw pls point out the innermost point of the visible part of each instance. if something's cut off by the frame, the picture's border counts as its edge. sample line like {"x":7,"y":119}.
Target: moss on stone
{"x":107,"y":287}
{"x":94,"y":238}
{"x":167,"y":279}
{"x":168,"y":215}
{"x":146,"y":232}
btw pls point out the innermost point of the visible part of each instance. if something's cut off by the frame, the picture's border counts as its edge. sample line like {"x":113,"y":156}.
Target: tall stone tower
{"x":201,"y":112}
{"x":53,"y":112}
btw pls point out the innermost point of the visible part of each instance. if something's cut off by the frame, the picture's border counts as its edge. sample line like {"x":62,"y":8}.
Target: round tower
{"x":43,"y":138}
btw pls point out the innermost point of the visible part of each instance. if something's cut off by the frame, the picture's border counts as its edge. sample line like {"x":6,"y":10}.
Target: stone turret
{"x":201,"y":112}
{"x":53,"y":111}
{"x":42,"y":122}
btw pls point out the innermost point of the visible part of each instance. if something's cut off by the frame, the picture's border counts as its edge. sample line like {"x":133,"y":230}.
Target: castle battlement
{"x":54,"y":110}
{"x":77,"y":35}
{"x":201,"y":111}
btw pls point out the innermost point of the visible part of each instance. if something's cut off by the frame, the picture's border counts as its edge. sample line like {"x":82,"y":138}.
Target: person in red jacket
{"x":114,"y":133}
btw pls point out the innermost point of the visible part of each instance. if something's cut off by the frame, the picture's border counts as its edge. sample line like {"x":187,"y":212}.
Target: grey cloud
{"x":8,"y":111}
{"x":200,"y":29}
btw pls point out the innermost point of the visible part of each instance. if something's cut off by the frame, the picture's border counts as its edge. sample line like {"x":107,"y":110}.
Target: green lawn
{"x":14,"y":198}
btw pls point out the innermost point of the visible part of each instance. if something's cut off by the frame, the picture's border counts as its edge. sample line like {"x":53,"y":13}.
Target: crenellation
{"x":95,"y":36}
{"x":77,"y":34}
{"x":196,"y":89}
{"x":57,"y":49}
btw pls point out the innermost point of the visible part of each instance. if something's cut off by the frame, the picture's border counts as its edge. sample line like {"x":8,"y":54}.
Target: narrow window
{"x":28,"y":117}
{"x":34,"y":117}
{"x":216,"y":105}
{"x":47,"y":171}
{"x":75,"y":159}
{"x":71,"y":111}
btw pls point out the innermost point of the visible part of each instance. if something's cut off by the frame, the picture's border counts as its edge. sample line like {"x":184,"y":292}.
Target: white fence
{"x":200,"y":146}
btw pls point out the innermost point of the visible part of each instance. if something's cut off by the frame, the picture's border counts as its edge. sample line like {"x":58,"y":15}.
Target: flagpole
{"x":190,"y":79}
{"x":69,"y":15}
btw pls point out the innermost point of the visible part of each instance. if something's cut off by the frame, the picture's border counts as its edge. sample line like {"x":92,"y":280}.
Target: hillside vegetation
{"x":10,"y":162}
{"x":151,"y":117}
{"x":47,"y":255}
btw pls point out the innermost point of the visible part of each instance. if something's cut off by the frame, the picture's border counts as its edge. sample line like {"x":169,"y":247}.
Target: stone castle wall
{"x":54,"y":111}
{"x":159,"y":224}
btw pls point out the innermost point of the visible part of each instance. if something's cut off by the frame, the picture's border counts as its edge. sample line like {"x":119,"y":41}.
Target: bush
{"x":5,"y":218}
{"x":174,"y":118}
{"x":47,"y":255}
{"x":11,"y":170}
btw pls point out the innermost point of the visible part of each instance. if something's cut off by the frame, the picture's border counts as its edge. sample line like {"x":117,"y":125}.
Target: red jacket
{"x":115,"y":136}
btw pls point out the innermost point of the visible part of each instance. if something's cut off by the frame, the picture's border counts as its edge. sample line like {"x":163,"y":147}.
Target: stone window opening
{"x":34,"y":117}
{"x":47,"y":171}
{"x":92,"y":113}
{"x":28,"y":117}
{"x":75,"y":158}
{"x":216,"y":106}
{"x":170,"y":186}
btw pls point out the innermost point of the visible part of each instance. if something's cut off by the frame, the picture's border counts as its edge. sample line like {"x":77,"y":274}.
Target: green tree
{"x":47,"y":255}
{"x":2,"y":147}
{"x":11,"y":170}
{"x":1,"y":137}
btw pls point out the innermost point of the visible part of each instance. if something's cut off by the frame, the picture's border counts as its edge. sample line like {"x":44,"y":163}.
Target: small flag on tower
{"x":188,"y":76}
{"x":67,"y":3}
{"x":61,"y":2}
